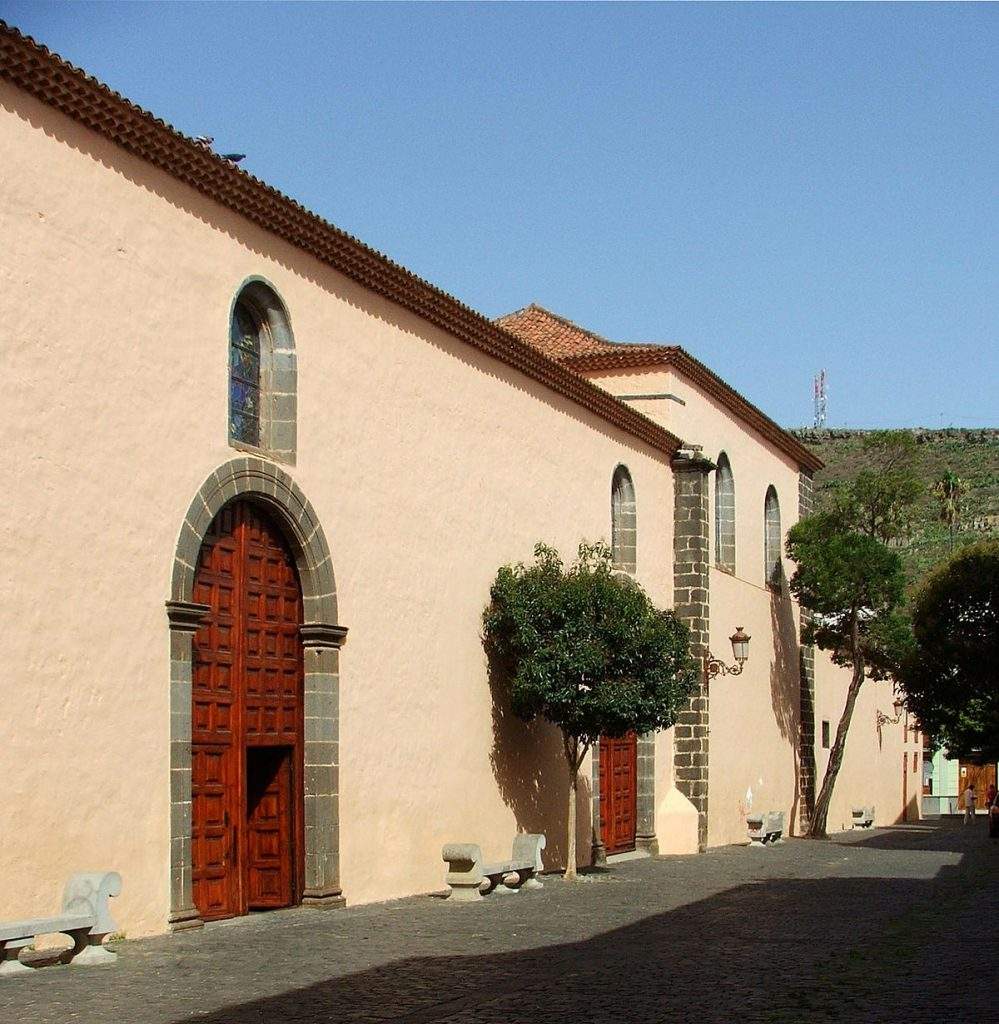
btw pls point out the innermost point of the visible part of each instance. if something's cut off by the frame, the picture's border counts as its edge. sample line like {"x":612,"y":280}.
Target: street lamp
{"x":740,"y":650}
{"x":883,"y":719}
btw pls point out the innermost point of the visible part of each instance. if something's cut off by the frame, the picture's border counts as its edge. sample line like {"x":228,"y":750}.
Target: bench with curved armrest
{"x":85,"y":918}
{"x":765,"y":829}
{"x":863,"y":817}
{"x":468,"y":877}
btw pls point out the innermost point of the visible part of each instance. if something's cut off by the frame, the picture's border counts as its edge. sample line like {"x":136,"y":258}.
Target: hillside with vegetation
{"x":971,"y":454}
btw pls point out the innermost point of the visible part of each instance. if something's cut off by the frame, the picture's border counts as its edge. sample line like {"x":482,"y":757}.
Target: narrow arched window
{"x":724,"y":515}
{"x":263,"y":380}
{"x":246,"y":333}
{"x":771,"y":536}
{"x":623,"y":528}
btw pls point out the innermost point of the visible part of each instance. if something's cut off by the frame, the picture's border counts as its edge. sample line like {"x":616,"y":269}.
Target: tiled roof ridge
{"x":709,"y":382}
{"x":614,"y":346}
{"x":615,"y":355}
{"x":34,"y":68}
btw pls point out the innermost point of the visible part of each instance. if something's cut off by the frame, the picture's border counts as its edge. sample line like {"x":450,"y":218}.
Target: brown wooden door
{"x":247,"y":694}
{"x":981,"y":776}
{"x":269,"y":878}
{"x":618,"y":792}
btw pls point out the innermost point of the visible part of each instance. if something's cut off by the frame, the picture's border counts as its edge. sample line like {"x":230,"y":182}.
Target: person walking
{"x":990,"y":796}
{"x":969,"y":804}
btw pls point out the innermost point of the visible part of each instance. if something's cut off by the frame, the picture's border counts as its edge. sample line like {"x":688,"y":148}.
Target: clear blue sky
{"x":776,"y":188}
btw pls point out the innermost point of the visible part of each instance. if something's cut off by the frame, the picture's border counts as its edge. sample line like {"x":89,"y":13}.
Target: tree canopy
{"x":951,"y":678}
{"x":585,"y":648}
{"x":853,"y":585}
{"x":880,"y":500}
{"x":845,"y":578}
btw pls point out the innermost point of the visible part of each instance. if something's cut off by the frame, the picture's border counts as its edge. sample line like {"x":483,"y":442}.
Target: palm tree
{"x":950,"y":490}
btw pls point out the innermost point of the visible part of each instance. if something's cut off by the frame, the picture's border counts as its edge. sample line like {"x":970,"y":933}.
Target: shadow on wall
{"x":785,"y":683}
{"x":528,"y":762}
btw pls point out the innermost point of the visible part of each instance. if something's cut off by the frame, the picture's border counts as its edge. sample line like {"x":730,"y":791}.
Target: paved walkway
{"x":874,"y":927}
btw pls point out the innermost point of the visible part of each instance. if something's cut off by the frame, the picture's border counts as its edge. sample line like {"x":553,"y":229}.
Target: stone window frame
{"x":624,"y":521}
{"x":773,"y":538}
{"x":278,"y":372}
{"x":724,"y":515}
{"x":322,"y":636}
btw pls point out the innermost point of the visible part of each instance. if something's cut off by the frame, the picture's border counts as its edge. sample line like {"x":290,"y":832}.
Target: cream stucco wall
{"x":875,"y":759}
{"x":428,"y":463}
{"x":755,"y":717}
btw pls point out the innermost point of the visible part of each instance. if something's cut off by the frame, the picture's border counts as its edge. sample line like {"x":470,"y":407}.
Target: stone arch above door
{"x":322,"y":636}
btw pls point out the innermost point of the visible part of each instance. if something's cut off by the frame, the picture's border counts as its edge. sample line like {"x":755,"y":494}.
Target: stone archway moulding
{"x":322,"y":637}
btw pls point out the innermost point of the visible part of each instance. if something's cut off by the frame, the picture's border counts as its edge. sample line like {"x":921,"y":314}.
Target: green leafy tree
{"x":949,"y":490}
{"x":950,"y":679}
{"x":585,"y":648}
{"x":853,"y":585}
{"x":880,"y":500}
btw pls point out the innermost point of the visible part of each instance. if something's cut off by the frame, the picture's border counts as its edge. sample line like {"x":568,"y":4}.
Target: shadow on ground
{"x":775,"y":950}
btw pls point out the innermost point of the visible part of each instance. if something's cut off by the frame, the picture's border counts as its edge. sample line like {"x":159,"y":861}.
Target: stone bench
{"x":468,"y":877}
{"x":863,"y":817}
{"x":765,"y":828}
{"x":85,"y":918}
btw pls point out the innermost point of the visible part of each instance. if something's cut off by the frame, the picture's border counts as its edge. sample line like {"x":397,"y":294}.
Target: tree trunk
{"x":575,"y":751}
{"x":817,"y":828}
{"x":570,"y":856}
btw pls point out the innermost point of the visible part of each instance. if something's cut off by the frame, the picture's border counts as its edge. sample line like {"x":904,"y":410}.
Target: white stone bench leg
{"x":531,"y":882}
{"x":89,"y":950}
{"x":10,"y":966}
{"x":507,"y":885}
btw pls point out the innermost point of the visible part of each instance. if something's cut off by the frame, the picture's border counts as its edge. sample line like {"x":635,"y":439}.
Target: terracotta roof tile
{"x":49,"y":78}
{"x":585,"y":352}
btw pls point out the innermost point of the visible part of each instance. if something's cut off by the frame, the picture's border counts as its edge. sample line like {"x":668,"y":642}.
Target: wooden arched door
{"x":618,"y":792}
{"x":247,"y":719}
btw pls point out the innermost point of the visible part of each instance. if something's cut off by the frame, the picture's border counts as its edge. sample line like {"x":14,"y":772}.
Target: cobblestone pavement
{"x":873,"y":927}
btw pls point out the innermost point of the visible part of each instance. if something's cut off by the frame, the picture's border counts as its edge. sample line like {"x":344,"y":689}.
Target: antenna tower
{"x":820,"y":399}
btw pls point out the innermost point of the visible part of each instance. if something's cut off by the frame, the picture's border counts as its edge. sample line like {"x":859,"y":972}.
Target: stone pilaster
{"x":645,"y":823}
{"x":184,"y":618}
{"x":599,"y":851}
{"x":806,"y":657}
{"x":690,"y":599}
{"x":322,"y":643}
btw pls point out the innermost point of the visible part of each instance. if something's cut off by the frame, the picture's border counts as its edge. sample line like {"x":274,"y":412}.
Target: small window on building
{"x":263,"y":380}
{"x":772,"y":537}
{"x":246,"y":332}
{"x":724,"y":515}
{"x":825,"y":734}
{"x":623,"y":525}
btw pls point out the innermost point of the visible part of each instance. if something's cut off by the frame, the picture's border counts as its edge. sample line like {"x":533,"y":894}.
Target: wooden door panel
{"x":268,"y":827}
{"x":211,"y":831}
{"x":618,"y":792}
{"x":247,"y":689}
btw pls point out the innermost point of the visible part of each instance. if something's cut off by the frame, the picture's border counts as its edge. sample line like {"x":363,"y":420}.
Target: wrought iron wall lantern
{"x":740,"y":650}
{"x":899,"y":708}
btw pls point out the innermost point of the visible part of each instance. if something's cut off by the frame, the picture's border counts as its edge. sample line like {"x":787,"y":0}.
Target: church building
{"x":258,"y":479}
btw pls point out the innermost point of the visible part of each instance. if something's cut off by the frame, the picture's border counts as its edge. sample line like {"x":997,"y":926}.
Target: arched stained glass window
{"x":624,"y":535}
{"x":724,"y":515}
{"x":245,"y":333}
{"x":263,"y":374}
{"x":772,"y":536}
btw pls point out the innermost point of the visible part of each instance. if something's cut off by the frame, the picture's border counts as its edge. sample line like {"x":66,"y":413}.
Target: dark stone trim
{"x":690,"y":598}
{"x":185,"y":920}
{"x":322,"y":634}
{"x":271,"y":487}
{"x":185,"y":616}
{"x":806,"y":656}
